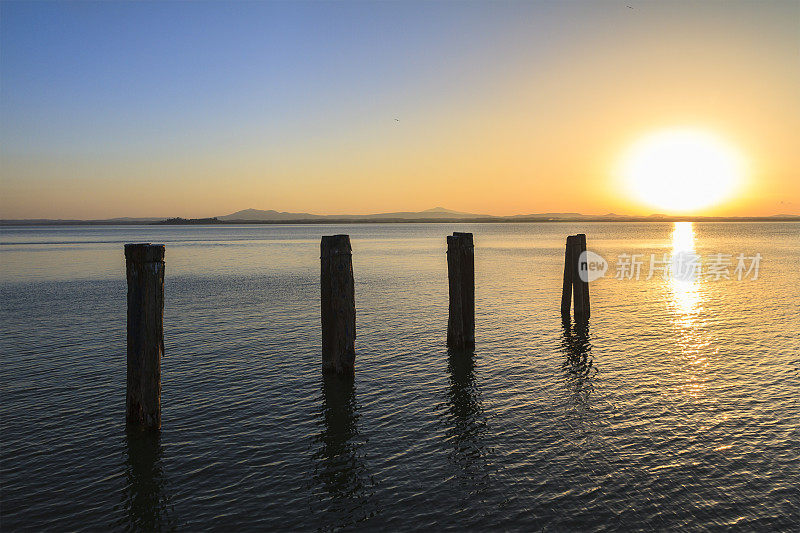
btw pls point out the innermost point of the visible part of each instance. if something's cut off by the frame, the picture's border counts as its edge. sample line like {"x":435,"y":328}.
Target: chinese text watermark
{"x":682,"y":266}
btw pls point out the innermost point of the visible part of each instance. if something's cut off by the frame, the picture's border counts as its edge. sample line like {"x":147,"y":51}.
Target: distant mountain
{"x":551,"y":216}
{"x":436,"y":214}
{"x":428,"y":214}
{"x":258,"y":214}
{"x":250,"y":215}
{"x":448,"y":215}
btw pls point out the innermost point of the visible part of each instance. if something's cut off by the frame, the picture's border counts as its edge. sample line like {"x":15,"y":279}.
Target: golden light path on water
{"x":686,"y":300}
{"x":686,"y":292}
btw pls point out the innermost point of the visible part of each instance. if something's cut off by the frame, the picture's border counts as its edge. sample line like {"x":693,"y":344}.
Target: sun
{"x":682,"y":170}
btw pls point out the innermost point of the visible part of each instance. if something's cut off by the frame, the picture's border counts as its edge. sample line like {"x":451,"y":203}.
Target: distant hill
{"x":436,"y":214}
{"x":551,"y":215}
{"x":250,"y":215}
{"x":447,"y":215}
{"x":257,"y":214}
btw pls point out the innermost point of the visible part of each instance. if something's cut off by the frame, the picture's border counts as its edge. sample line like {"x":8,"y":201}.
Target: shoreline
{"x":333,"y":221}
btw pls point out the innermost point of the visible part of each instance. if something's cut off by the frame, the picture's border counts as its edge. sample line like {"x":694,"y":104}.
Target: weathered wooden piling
{"x":338,"y":305}
{"x":574,"y":288}
{"x":461,"y":277}
{"x":144,"y":265}
{"x":566,"y":290}
{"x":580,"y":287}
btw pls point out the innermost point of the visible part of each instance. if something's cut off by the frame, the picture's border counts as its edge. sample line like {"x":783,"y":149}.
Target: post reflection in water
{"x":146,"y":499}
{"x":339,"y":469}
{"x":466,"y":423}
{"x":578,"y":366}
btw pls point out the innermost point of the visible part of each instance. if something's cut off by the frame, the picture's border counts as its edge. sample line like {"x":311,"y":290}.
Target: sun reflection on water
{"x":686,"y":298}
{"x":685,"y":292}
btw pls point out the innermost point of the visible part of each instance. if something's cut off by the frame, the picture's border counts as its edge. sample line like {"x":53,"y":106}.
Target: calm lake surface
{"x":678,"y":408}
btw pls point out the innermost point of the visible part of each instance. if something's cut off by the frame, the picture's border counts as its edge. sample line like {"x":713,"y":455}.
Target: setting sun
{"x":682,"y":170}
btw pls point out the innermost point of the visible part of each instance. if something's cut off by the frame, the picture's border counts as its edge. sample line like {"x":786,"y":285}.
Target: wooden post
{"x":338,"y":305}
{"x":580,"y":288}
{"x":566,"y":291}
{"x":574,"y":287}
{"x":461,"y":277}
{"x":145,"y":272}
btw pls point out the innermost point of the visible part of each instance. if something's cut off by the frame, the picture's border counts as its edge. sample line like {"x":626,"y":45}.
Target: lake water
{"x":678,"y":408}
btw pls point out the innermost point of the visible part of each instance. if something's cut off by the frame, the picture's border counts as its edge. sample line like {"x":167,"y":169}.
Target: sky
{"x":201,"y":109}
